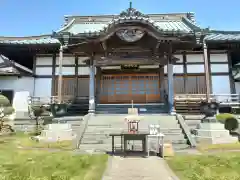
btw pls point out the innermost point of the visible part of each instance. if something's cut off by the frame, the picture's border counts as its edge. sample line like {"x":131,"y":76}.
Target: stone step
{"x":109,"y":141}
{"x":124,"y":126}
{"x":88,"y":135}
{"x":118,"y":130}
{"x":108,"y":147}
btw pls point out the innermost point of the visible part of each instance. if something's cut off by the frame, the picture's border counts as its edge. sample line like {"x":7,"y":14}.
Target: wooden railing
{"x":49,"y":100}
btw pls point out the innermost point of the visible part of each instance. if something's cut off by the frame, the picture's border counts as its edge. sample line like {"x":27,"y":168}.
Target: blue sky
{"x":35,"y":17}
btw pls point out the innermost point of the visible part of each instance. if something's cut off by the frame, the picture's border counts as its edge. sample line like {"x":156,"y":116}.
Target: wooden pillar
{"x":60,"y":74}
{"x":161,"y":82}
{"x":91,"y":85}
{"x":170,"y":81}
{"x":231,"y":79}
{"x":53,"y":74}
{"x":185,"y":72}
{"x":34,"y":73}
{"x":210,"y":71}
{"x":206,"y":68}
{"x":98,"y":84}
{"x":76,"y":76}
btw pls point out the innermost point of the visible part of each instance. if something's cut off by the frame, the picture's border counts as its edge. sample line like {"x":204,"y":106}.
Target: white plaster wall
{"x":219,"y":68}
{"x":176,"y":68}
{"x":17,"y":84}
{"x":195,"y":58}
{"x":66,"y":71}
{"x":43,"y":71}
{"x":218,"y":58}
{"x":43,"y":60}
{"x":221,"y":85}
{"x":85,"y":71}
{"x":67,"y":60}
{"x":195,"y":68}
{"x":43,"y":87}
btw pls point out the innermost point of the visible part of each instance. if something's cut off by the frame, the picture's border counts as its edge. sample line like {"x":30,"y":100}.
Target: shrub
{"x":4,"y":101}
{"x":231,"y":124}
{"x":223,"y":116}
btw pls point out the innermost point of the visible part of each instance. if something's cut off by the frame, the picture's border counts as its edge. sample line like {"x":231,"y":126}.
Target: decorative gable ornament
{"x":130,"y":35}
{"x":131,"y":12}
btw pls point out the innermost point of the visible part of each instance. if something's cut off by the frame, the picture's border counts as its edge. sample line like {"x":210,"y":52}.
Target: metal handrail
{"x":220,"y":98}
{"x":186,"y":130}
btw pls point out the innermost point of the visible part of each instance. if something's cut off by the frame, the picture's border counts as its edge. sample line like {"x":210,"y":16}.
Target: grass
{"x":206,"y":167}
{"x":219,"y":147}
{"x":25,"y":141}
{"x":20,"y":164}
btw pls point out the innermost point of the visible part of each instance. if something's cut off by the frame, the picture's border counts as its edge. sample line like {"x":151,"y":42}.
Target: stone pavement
{"x":138,"y":168}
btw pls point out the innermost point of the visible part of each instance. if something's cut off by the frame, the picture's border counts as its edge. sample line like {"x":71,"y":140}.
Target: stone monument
{"x":20,"y":104}
{"x":56,"y":132}
{"x":213,"y":133}
{"x":210,"y":131}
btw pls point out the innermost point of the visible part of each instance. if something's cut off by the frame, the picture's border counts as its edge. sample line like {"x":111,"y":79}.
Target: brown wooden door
{"x":125,"y":88}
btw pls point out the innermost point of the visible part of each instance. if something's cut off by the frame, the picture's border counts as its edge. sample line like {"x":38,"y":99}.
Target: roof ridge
{"x":224,"y":32}
{"x":24,"y":37}
{"x":190,"y":23}
{"x":65,"y":27}
{"x":110,"y":15}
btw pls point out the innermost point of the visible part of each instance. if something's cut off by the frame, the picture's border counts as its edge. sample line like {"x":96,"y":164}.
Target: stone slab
{"x":62,"y":135}
{"x":211,"y":126}
{"x":212,"y":133}
{"x":210,"y":140}
{"x":20,"y":104}
{"x":58,"y":127}
{"x":57,"y":132}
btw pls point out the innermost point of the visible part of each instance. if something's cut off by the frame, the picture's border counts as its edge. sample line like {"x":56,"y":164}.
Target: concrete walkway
{"x":137,"y":168}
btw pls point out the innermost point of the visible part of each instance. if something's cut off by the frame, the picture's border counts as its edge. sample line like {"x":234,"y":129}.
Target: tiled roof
{"x":8,"y":67}
{"x":167,"y":26}
{"x":29,"y":40}
{"x":223,"y":36}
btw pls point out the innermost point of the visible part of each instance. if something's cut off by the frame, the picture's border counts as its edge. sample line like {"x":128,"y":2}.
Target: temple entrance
{"x":123,"y":88}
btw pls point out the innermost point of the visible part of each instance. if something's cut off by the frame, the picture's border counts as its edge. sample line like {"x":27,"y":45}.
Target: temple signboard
{"x":129,"y":66}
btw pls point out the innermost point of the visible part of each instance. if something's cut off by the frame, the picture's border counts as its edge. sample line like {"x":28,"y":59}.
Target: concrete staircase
{"x":123,"y":108}
{"x":193,"y":120}
{"x":96,"y":137}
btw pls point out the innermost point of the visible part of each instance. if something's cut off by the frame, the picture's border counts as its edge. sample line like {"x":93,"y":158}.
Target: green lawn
{"x":224,"y":166}
{"x":219,"y":147}
{"x":20,"y":164}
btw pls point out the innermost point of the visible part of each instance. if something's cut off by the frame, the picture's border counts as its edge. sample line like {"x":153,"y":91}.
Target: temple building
{"x":124,"y":58}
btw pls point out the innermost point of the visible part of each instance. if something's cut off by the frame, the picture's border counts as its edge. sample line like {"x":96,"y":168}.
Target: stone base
{"x":213,"y":133}
{"x":57,"y":132}
{"x":21,"y":115}
{"x":211,"y":140}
